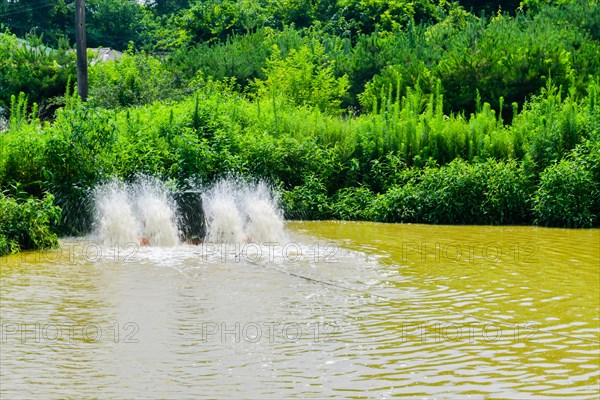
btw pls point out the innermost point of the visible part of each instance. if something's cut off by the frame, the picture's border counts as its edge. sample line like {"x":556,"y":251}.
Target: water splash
{"x":126,"y":213}
{"x":157,"y":212}
{"x":237,"y":211}
{"x":115,"y":220}
{"x":264,"y":217}
{"x":145,"y":211}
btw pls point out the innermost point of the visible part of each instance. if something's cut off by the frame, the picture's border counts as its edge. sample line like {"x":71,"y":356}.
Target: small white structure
{"x":104,"y":54}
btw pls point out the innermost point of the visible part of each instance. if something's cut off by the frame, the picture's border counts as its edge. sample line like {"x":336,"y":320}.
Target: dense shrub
{"x":27,"y":223}
{"x":305,"y":77}
{"x":481,"y":193}
{"x":352,"y":203}
{"x":487,"y":57}
{"x":131,"y":80}
{"x":22,"y":152}
{"x":569,"y":191}
{"x":551,"y":125}
{"x":508,"y":57}
{"x":30,"y":67}
{"x":400,"y":163}
{"x":367,"y":16}
{"x":308,"y":201}
{"x":239,"y":57}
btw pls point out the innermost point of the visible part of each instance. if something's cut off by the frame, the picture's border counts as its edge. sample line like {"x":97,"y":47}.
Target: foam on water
{"x":237,"y":211}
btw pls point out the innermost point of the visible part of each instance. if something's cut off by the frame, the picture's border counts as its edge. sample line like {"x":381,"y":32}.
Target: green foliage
{"x":218,"y":19}
{"x":239,"y":57}
{"x":22,"y":154}
{"x":367,"y":16}
{"x":536,"y":5}
{"x":51,"y":18}
{"x":29,"y":67}
{"x":458,"y":193}
{"x":566,"y":196}
{"x":131,"y":80}
{"x":470,"y":120}
{"x":483,"y":193}
{"x":383,"y":48}
{"x":386,"y":65}
{"x":551,"y":127}
{"x":308,"y":201}
{"x":508,"y":57}
{"x":490,"y":6}
{"x":399,"y":163}
{"x":72,"y":159}
{"x":503,"y":56}
{"x":352,"y":203}
{"x":305,"y":77}
{"x":27,"y":223}
{"x":113,"y":23}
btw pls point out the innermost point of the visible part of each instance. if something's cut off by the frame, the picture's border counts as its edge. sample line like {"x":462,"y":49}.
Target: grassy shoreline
{"x":460,"y":120}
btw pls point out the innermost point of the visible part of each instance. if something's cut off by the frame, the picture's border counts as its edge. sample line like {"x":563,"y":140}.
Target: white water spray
{"x":128,"y":213}
{"x":145,"y":212}
{"x":156,"y":212}
{"x":115,"y":219}
{"x":238,"y":211}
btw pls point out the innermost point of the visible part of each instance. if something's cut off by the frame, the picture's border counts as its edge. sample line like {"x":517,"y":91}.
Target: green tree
{"x":52,"y":18}
{"x":489,"y":7}
{"x":34,"y":69}
{"x":305,"y":77}
{"x":377,"y":15}
{"x":167,"y":7}
{"x":113,"y":23}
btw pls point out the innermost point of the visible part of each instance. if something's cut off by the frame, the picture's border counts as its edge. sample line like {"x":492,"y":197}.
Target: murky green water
{"x":389,"y":310}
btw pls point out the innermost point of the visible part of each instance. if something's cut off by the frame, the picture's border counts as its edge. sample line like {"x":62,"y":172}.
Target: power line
{"x":28,"y":8}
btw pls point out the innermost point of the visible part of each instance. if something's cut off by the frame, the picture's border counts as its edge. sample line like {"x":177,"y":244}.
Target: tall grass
{"x":375,"y":127}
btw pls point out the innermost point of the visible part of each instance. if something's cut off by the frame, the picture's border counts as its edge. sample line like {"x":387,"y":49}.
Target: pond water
{"x":339,"y":310}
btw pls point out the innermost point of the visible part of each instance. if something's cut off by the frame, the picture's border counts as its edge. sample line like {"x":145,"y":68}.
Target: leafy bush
{"x":218,"y":19}
{"x":131,"y":80}
{"x":239,"y":57}
{"x":400,"y":203}
{"x":352,"y":203}
{"x":459,"y":193}
{"x":27,"y":223}
{"x":22,"y":148}
{"x":487,"y":57}
{"x":508,"y":57}
{"x":551,"y":126}
{"x":401,"y":162}
{"x":305,"y":77}
{"x":508,"y":192}
{"x":28,"y":66}
{"x":114,"y":23}
{"x":368,"y":16}
{"x":308,"y":201}
{"x":569,"y":191}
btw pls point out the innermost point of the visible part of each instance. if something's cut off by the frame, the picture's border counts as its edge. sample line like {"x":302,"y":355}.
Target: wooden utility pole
{"x":82,"y":75}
